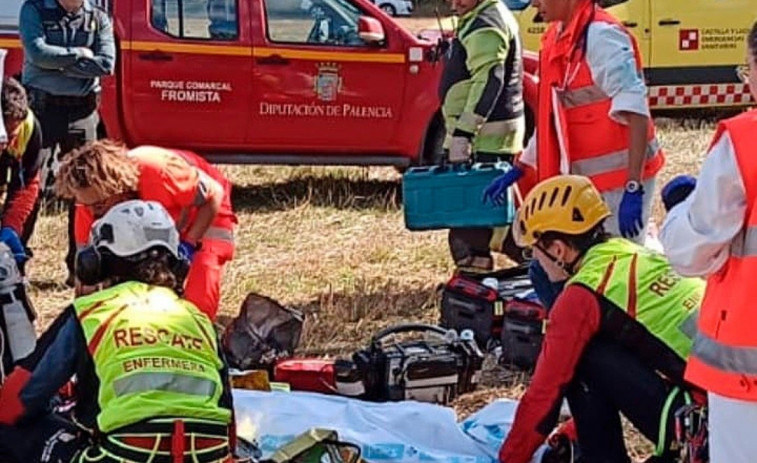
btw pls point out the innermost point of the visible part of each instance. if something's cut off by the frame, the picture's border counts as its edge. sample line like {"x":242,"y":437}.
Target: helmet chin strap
{"x":567,"y":267}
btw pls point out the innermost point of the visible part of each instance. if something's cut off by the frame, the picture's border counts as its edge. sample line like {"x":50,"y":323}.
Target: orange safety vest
{"x":724,"y":357}
{"x":595,"y":144}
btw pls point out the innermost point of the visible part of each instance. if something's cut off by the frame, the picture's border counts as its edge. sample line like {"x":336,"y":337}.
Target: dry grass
{"x":332,"y":242}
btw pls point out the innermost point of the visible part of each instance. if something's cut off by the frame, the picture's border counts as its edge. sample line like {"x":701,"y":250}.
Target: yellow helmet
{"x":567,"y":204}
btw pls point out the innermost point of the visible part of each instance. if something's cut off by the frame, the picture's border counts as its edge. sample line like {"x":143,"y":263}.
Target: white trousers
{"x":733,"y":430}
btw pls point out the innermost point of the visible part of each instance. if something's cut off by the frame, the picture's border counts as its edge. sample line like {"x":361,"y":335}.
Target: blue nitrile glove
{"x":187,"y":251}
{"x":677,"y":190}
{"x":629,"y":216}
{"x":496,"y":192}
{"x":11,"y":238}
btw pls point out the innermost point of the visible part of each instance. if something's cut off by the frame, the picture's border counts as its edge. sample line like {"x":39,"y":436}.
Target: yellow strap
{"x":18,"y":143}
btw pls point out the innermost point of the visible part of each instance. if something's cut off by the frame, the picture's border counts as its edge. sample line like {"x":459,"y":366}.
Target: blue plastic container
{"x":438,"y":197}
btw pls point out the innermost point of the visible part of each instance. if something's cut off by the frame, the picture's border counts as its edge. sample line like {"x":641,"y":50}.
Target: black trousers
{"x":50,"y":438}
{"x":67,"y":123}
{"x":609,"y":381}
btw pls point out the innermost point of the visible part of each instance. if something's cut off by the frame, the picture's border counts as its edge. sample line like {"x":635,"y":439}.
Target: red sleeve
{"x":24,"y":187}
{"x":20,"y":205}
{"x":573,"y":321}
{"x":82,"y":223}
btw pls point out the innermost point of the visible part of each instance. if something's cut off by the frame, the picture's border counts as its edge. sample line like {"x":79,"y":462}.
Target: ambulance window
{"x":315,"y":22}
{"x":196,"y":19}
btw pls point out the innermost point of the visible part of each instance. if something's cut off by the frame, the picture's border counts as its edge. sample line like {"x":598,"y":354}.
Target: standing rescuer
{"x":196,"y":195}
{"x":68,"y":46}
{"x":481,"y":90}
{"x":713,"y":234}
{"x":592,"y":116}
{"x":151,"y":380}
{"x":617,"y":337}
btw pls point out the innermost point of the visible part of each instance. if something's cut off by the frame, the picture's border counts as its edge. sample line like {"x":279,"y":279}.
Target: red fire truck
{"x":267,"y":81}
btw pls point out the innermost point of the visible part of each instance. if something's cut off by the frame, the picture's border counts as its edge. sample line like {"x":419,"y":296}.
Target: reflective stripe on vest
{"x":590,"y":94}
{"x":173,"y":382}
{"x":724,"y":358}
{"x":610,"y":162}
{"x":642,"y":284}
{"x":689,"y":326}
{"x":740,"y":360}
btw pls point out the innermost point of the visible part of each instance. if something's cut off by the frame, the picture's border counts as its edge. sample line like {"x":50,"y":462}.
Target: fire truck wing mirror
{"x":370,"y":30}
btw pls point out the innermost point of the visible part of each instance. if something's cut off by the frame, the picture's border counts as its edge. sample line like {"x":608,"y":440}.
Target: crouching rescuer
{"x":617,"y":337}
{"x":195,"y":194}
{"x":151,"y":382}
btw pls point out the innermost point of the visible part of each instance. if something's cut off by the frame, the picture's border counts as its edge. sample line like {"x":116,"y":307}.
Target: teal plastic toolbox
{"x":451,"y":196}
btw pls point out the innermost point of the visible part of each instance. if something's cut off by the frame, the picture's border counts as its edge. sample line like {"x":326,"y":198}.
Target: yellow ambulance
{"x":691,"y":49}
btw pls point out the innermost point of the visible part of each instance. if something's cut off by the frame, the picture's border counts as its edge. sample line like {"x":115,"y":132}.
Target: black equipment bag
{"x":263,"y":332}
{"x":434,"y":369}
{"x":468,"y":303}
{"x":522,"y":334}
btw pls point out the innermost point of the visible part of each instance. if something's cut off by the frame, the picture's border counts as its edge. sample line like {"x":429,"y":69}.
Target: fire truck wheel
{"x":433,"y":151}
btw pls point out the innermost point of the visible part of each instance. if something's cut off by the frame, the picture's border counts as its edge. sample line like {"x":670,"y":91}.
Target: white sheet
{"x":400,"y":432}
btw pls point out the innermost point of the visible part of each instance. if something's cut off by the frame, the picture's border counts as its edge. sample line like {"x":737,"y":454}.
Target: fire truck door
{"x":318,"y":85}
{"x":190,"y":75}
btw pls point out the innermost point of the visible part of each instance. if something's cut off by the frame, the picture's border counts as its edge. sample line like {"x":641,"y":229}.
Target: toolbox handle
{"x":407,"y":328}
{"x":445,"y":166}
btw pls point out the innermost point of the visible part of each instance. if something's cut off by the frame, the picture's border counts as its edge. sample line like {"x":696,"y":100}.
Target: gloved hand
{"x":187,"y":251}
{"x":459,"y":149}
{"x":11,"y":238}
{"x":629,"y":216}
{"x":677,"y":190}
{"x":563,"y":444}
{"x":496,"y":192}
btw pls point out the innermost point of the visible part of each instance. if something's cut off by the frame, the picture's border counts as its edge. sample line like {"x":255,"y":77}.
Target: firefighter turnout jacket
{"x":481,"y":87}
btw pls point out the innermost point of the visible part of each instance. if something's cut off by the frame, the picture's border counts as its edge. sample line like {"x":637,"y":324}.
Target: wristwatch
{"x":632,"y":186}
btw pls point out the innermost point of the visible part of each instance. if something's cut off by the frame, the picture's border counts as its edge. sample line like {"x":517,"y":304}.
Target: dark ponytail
{"x":752,"y":42}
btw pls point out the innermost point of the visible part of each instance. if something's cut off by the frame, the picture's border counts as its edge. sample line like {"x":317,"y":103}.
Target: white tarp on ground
{"x":401,"y":432}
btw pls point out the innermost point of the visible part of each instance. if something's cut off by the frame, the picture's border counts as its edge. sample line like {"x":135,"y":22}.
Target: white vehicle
{"x":9,"y":14}
{"x":395,"y":7}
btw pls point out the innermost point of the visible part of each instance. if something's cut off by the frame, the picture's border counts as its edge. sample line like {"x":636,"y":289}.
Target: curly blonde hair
{"x":103,"y":165}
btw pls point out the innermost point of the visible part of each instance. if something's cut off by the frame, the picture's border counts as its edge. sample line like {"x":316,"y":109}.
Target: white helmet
{"x":132,"y":227}
{"x":9,"y":273}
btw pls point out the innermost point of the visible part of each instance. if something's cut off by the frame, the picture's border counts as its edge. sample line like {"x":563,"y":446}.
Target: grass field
{"x":332,"y":243}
